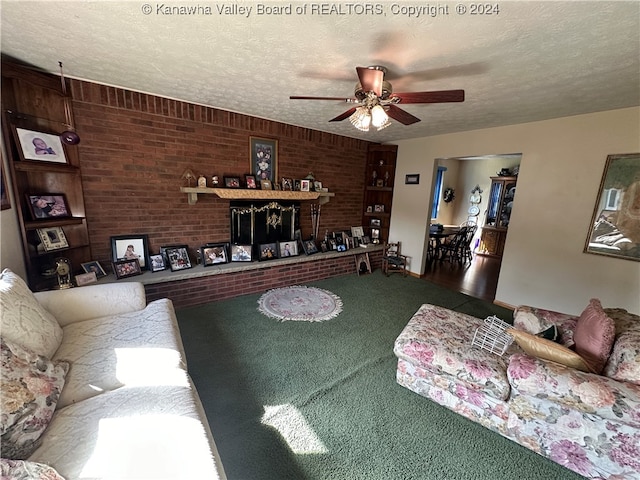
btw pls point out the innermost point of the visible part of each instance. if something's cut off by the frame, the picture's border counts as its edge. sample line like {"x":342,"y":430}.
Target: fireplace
{"x":255,"y":223}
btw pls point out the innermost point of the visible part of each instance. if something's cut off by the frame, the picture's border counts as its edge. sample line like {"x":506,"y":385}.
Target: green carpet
{"x":302,"y":400}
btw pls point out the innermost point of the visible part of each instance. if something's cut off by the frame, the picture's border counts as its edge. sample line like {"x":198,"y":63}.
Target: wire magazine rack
{"x":491,"y":336}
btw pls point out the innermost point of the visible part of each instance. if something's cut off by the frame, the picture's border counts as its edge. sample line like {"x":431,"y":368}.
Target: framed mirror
{"x":615,"y":224}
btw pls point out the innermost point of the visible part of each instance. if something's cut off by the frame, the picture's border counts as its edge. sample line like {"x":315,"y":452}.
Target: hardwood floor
{"x":478,"y":278}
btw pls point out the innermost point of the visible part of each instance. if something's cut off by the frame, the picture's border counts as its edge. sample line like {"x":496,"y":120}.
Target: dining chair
{"x":453,"y":249}
{"x":467,"y":254}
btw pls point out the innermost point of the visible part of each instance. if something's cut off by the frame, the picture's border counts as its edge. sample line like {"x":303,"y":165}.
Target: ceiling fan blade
{"x":400,"y":115}
{"x":441,"y":96}
{"x":344,"y":115}
{"x":370,"y":79}
{"x":343,"y":99}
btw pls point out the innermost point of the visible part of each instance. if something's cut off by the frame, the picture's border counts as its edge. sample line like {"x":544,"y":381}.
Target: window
{"x":611,"y":198}
{"x":437,"y":191}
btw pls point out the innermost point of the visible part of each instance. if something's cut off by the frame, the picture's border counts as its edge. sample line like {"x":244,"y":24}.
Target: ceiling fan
{"x":377,"y":101}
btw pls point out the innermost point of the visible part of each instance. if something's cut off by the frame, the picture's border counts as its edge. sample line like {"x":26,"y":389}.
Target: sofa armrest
{"x":585,"y":392}
{"x":93,"y":301}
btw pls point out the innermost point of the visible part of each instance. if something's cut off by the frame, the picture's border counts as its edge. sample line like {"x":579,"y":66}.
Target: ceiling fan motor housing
{"x":361,"y":94}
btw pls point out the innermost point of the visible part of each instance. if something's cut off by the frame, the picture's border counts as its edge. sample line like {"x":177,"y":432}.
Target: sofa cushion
{"x":536,"y":320}
{"x":22,"y":470}
{"x":152,"y":432}
{"x":30,"y":386}
{"x":546,"y":349}
{"x":624,"y":360}
{"x":439,"y":341}
{"x":137,"y":348}
{"x":570,"y":389}
{"x":594,"y":335}
{"x":24,"y":320}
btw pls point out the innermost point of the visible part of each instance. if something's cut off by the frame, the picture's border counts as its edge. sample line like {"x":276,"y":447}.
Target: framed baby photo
{"x":48,"y":205}
{"x":95,"y":267}
{"x":263,"y":156}
{"x":126,"y":268}
{"x":39,"y":146}
{"x":214,"y":254}
{"x":304,"y":185}
{"x":128,"y":247}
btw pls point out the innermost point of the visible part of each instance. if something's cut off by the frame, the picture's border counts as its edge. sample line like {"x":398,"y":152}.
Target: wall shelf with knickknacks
{"x":378,"y":191}
{"x":43,"y":169}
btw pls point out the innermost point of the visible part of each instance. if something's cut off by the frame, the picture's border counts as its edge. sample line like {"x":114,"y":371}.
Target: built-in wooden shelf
{"x":251,"y":194}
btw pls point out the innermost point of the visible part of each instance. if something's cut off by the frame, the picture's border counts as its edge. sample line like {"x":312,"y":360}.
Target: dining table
{"x":436,"y":238}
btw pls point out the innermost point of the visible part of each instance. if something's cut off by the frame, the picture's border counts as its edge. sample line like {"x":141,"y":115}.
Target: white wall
{"x":562,"y":165}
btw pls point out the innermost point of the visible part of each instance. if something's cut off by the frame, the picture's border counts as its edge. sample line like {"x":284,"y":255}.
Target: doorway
{"x":469,"y":178}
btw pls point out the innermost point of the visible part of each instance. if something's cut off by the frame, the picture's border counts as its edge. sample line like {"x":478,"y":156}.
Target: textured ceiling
{"x":528,"y":61}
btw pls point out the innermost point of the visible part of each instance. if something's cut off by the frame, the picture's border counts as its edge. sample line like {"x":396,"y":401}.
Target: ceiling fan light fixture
{"x":384,"y":125}
{"x":379,"y":117}
{"x":361,"y":119}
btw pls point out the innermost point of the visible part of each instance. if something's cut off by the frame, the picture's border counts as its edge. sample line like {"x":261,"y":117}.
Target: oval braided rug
{"x":300,"y":303}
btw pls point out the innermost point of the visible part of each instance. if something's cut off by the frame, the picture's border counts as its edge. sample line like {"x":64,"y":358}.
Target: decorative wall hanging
{"x":615,"y":224}
{"x":69,"y":136}
{"x":263,"y":155}
{"x":449,"y":195}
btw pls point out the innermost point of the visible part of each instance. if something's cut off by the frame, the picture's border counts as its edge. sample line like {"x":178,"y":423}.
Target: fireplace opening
{"x":256,"y":223}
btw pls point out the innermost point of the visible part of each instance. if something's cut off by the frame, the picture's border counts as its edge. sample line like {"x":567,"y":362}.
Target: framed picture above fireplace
{"x":263,"y":155}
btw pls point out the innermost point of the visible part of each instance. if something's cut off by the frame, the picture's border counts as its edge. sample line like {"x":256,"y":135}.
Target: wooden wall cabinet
{"x":378,"y":191}
{"x":494,"y":231}
{"x":34,"y":101}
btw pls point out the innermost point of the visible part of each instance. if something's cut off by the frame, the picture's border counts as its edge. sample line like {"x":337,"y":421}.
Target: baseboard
{"x":504,"y":305}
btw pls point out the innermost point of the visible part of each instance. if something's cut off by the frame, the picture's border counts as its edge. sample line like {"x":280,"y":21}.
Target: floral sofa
{"x":588,"y":422}
{"x":95,"y":386}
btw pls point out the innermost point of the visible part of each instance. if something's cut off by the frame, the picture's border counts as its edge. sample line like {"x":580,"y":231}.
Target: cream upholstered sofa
{"x":588,"y":422}
{"x":95,"y":385}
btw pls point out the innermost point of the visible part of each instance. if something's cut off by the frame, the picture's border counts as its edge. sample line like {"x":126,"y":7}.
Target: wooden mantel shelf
{"x":251,"y":194}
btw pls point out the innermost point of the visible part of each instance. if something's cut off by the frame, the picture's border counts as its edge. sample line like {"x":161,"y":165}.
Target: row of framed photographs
{"x":130,"y":254}
{"x":287,"y":184}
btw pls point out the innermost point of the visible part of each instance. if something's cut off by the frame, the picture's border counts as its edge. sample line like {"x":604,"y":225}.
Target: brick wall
{"x":135,"y":148}
{"x":200,"y":290}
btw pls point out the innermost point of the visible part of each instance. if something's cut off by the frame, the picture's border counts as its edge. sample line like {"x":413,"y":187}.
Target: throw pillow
{"x":30,"y":387}
{"x":551,"y":333}
{"x":548,"y":350}
{"x":21,"y":470}
{"x":594,"y":335}
{"x":24,"y":320}
{"x":530,"y":319}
